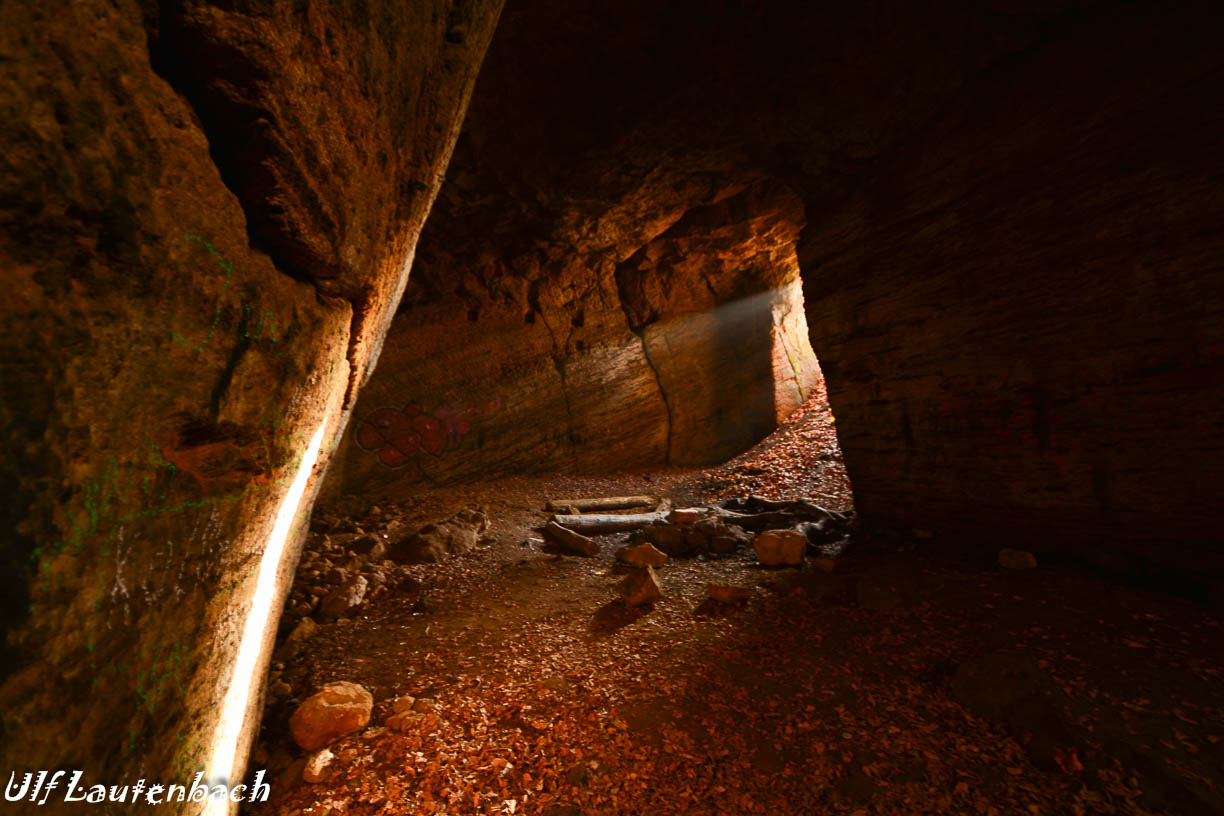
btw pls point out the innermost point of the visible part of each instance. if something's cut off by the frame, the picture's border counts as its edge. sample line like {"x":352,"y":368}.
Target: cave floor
{"x":825,"y":692}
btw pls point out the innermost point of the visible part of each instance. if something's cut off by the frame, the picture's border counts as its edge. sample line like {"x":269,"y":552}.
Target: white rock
{"x":315,"y":769}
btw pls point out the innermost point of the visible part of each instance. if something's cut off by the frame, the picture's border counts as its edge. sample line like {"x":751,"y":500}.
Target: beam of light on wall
{"x":237,"y":698}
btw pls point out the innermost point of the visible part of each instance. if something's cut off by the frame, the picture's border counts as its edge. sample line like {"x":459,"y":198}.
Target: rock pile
{"x":782,"y":533}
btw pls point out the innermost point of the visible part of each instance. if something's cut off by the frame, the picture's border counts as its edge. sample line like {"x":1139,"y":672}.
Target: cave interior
{"x":571,"y":408}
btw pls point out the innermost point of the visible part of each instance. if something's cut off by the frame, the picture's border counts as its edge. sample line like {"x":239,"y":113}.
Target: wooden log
{"x":609,"y":523}
{"x":799,"y":509}
{"x":571,"y":542}
{"x":606,"y":503}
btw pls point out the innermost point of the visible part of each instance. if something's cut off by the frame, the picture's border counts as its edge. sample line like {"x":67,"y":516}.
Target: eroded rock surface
{"x":206,"y":212}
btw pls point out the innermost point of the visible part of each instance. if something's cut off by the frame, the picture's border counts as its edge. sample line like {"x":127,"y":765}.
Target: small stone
{"x":1017,"y":559}
{"x":409,"y":720}
{"x":344,"y":599}
{"x":685,"y":515}
{"x":315,"y":769}
{"x":281,"y":689}
{"x":338,"y":709}
{"x":641,"y":555}
{"x":403,"y":705}
{"x":728,"y":594}
{"x":305,"y":630}
{"x":423,"y":705}
{"x":667,"y":538}
{"x":640,"y":586}
{"x":780,"y":547}
{"x":395,"y":722}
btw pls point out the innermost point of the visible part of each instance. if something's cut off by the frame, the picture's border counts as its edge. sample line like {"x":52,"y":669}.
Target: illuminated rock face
{"x":687,"y":351}
{"x":178,"y":357}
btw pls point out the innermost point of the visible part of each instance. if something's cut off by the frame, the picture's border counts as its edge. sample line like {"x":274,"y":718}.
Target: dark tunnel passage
{"x":438,"y":407}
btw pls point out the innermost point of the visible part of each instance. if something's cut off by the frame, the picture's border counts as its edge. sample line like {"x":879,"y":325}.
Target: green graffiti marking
{"x":265,"y":321}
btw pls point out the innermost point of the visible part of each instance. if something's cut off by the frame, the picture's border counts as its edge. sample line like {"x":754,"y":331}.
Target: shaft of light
{"x":237,"y":697}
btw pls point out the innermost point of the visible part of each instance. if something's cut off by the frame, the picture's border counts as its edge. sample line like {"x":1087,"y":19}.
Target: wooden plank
{"x":608,"y":523}
{"x":606,"y":503}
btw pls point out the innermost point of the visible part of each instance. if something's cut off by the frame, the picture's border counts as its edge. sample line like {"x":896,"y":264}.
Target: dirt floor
{"x":909,"y":680}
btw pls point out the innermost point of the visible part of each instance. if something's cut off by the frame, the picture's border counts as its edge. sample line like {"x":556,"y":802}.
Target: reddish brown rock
{"x":1016,"y":559}
{"x":338,"y":709}
{"x":641,"y":586}
{"x":780,"y":547}
{"x":641,"y":555}
{"x":728,"y":594}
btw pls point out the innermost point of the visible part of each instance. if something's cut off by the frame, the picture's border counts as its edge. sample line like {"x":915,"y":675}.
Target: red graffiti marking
{"x":399,"y":435}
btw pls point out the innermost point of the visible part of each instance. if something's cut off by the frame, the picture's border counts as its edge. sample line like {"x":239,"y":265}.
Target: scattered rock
{"x":640,"y":587}
{"x":723,"y":538}
{"x":423,"y":705}
{"x":685,"y":515}
{"x":434,"y":542}
{"x":641,"y":555}
{"x":1017,"y":559}
{"x":780,"y":547}
{"x":315,"y":769}
{"x":344,"y":599}
{"x":338,"y":709}
{"x":728,"y":594}
{"x":305,"y":630}
{"x":706,"y":535}
{"x":669,"y":538}
{"x":403,"y":705}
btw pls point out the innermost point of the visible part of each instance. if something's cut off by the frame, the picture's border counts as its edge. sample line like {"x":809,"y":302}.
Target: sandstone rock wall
{"x":683,"y":349}
{"x":1020,"y":309}
{"x":206,"y":213}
